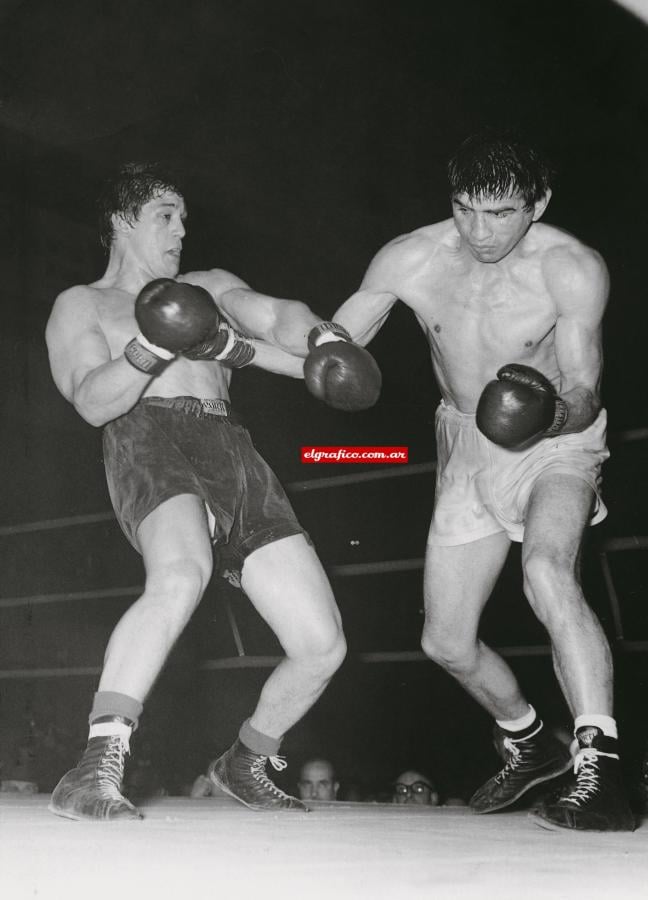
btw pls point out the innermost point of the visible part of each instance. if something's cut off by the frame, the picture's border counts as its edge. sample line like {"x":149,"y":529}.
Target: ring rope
{"x":311,"y":484}
{"x":611,"y":545}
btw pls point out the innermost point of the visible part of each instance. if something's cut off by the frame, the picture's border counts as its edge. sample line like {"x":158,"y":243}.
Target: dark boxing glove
{"x":172,"y":317}
{"x":520,"y":407}
{"x":339,"y":372}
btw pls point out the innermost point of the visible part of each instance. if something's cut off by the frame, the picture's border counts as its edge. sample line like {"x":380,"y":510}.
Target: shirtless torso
{"x":541,"y":306}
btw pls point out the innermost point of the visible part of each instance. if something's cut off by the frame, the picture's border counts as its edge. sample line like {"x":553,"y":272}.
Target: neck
{"x":125,"y":273}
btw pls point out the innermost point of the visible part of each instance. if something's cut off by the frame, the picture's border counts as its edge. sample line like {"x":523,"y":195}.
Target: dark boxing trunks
{"x":165,"y":447}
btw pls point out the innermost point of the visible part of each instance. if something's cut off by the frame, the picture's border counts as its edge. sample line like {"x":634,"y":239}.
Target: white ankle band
{"x":518,"y":724}
{"x":104,"y":729}
{"x":606,"y":724}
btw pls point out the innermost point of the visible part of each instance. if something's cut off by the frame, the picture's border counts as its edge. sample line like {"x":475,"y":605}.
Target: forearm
{"x":274,"y":359}
{"x":283,"y":323}
{"x":109,"y":391}
{"x":364,"y":314}
{"x":293,"y":322}
{"x":583,"y":405}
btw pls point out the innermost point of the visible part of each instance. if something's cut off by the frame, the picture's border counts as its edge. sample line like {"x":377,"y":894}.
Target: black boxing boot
{"x":532,"y":756}
{"x":93,"y":789}
{"x":241,"y":773}
{"x":596,"y":799}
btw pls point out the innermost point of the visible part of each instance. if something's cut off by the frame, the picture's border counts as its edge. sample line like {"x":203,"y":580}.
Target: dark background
{"x":309,"y":134}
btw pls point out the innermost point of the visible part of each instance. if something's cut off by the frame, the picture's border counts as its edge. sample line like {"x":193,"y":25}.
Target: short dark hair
{"x":497,"y":164}
{"x":126,"y":192}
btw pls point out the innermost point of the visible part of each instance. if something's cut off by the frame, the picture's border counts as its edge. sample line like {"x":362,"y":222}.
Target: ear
{"x":119,"y":224}
{"x":540,"y":205}
{"x":336,"y":787}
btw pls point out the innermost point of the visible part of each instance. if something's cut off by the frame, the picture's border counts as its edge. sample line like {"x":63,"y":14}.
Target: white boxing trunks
{"x":483,"y":489}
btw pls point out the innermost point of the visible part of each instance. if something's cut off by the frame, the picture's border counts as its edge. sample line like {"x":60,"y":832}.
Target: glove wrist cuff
{"x":560,"y":418}
{"x":237,"y":352}
{"x":327,"y":331}
{"x":146,"y":357}
{"x":160,"y":352}
{"x":227,"y":346}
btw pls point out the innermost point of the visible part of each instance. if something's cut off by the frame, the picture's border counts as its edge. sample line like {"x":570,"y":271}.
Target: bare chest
{"x":491,"y":316}
{"x":116,"y":314}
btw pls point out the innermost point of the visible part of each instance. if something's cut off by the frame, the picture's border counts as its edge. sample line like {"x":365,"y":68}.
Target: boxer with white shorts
{"x":512,"y":310}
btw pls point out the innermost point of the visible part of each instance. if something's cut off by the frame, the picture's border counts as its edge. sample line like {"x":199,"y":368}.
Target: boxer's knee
{"x":454,"y":654}
{"x":551,"y":585}
{"x":329,"y":647}
{"x":332,"y":652}
{"x":175,"y":588}
{"x":322,"y":649}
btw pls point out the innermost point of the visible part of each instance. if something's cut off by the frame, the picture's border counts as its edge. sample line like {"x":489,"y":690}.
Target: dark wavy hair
{"x":498,"y":164}
{"x":126,"y":192}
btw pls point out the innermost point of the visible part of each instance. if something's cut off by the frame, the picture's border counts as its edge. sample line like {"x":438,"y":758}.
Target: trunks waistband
{"x":453,"y":411}
{"x":194,"y":406}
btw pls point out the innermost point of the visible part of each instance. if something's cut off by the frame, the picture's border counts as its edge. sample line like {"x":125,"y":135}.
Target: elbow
{"x":89,"y":404}
{"x":288,"y":323}
{"x":286,"y":311}
{"x":91,"y":415}
{"x":362,"y":338}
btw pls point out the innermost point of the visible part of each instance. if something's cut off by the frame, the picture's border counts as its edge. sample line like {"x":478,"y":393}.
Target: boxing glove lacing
{"x":238,"y":350}
{"x":560,"y":417}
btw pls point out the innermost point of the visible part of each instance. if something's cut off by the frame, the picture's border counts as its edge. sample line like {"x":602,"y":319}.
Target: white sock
{"x":606,"y":724}
{"x":103,"y":729}
{"x":518,"y":724}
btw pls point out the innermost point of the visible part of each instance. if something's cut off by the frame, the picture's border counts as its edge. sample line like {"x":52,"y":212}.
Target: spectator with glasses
{"x":415,"y":788}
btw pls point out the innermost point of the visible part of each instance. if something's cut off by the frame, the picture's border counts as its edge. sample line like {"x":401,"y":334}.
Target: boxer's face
{"x":317,"y":782}
{"x":491,"y":228}
{"x":156,"y":237}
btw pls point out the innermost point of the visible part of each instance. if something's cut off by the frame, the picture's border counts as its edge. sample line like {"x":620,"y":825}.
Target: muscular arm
{"x":282,"y":323}
{"x":366,"y":311}
{"x":580,"y":287}
{"x":99,"y":388}
{"x":343,"y":375}
{"x":273,"y":359}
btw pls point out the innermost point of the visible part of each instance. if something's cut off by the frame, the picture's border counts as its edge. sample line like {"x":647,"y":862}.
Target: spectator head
{"x":317,"y":780}
{"x":416,"y":788}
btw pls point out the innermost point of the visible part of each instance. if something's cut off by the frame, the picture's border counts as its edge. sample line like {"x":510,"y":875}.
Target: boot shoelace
{"x":588,"y":776}
{"x":111,"y":768}
{"x":512,"y":761}
{"x":515,"y":752}
{"x":259,"y":773}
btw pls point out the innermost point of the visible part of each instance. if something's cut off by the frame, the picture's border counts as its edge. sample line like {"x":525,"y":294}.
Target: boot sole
{"x":537,"y":819}
{"x":256,"y":807}
{"x":74,"y":817}
{"x":62,"y":814}
{"x":527,"y":787}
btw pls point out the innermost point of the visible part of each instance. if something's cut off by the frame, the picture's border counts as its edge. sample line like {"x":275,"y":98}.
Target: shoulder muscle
{"x":578,"y":280}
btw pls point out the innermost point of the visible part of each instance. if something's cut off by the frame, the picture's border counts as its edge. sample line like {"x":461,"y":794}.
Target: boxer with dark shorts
{"x":512,"y":310}
{"x":149,"y":354}
{"x":183,"y":445}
